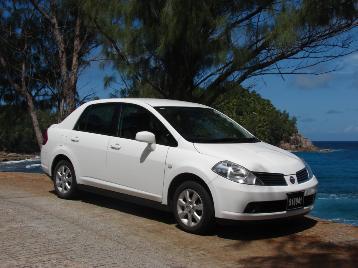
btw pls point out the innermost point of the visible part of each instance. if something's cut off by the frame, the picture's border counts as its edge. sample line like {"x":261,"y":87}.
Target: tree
{"x":43,"y":47}
{"x":16,"y":129}
{"x":22,"y":43}
{"x":74,"y":40}
{"x":256,"y":114}
{"x":188,"y":50}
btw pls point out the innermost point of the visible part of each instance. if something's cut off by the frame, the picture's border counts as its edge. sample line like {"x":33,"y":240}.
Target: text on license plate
{"x":295,"y":200}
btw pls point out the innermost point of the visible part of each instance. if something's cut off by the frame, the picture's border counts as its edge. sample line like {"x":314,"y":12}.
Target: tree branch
{"x":313,"y":39}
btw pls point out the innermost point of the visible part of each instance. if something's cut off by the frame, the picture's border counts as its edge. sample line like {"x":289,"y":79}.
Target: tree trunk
{"x":72,"y":79}
{"x":22,"y":90}
{"x":34,"y":119}
{"x":30,"y":105}
{"x":51,"y":16}
{"x":71,"y":98}
{"x":61,"y":110}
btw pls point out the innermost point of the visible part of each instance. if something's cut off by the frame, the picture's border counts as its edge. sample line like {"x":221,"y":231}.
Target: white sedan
{"x":188,"y":157}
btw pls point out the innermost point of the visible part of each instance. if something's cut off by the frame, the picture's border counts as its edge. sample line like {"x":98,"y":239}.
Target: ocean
{"x":336,"y":170}
{"x":337,"y":173}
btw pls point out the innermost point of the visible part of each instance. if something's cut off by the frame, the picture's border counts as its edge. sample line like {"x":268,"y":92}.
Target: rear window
{"x":98,"y":119}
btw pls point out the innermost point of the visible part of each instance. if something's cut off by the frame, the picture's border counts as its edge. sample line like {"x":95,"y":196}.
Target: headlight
{"x":236,"y":173}
{"x":309,"y":170}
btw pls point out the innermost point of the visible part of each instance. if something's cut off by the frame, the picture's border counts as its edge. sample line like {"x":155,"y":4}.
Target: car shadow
{"x":129,"y":205}
{"x":255,"y":230}
{"x":244,"y":231}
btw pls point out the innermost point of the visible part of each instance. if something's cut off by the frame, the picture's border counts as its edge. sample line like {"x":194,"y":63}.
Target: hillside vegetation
{"x":258,"y":115}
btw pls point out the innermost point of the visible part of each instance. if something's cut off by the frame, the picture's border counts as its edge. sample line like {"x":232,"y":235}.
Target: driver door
{"x":133,"y":164}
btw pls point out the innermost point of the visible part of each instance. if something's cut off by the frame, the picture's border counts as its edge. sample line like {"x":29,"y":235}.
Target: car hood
{"x":258,"y":157}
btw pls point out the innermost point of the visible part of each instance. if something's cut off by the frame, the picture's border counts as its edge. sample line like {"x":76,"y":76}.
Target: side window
{"x":98,"y":119}
{"x":82,"y":121}
{"x":135,"y":118}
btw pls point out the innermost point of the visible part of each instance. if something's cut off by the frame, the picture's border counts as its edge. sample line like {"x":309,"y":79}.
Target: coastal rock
{"x":297,"y":142}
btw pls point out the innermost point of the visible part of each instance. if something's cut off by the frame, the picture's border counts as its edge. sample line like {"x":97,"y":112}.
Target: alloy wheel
{"x":63,"y":179}
{"x":190,"y":207}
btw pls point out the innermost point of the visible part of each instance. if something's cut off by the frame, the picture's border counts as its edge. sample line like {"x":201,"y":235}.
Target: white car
{"x":189,"y":157}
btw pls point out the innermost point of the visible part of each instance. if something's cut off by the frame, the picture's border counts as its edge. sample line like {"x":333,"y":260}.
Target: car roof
{"x":150,"y":101}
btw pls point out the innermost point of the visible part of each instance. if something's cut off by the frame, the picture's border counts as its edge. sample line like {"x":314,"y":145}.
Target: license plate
{"x":295,"y":200}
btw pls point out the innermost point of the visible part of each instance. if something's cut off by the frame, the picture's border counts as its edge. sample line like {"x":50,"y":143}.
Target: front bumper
{"x":231,"y":199}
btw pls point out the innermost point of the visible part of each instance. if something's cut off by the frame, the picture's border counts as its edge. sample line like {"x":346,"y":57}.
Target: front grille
{"x":274,"y":206}
{"x":302,"y":175}
{"x":271,"y":179}
{"x":266,"y":207}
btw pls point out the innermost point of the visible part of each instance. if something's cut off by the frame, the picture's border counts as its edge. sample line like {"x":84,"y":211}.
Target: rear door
{"x":132,"y":163}
{"x":90,"y":136}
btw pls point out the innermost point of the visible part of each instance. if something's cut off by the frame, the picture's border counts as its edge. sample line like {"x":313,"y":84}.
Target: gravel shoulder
{"x":39,"y":229}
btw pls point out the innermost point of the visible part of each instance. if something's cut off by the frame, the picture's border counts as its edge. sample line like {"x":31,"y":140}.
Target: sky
{"x":326,"y":106}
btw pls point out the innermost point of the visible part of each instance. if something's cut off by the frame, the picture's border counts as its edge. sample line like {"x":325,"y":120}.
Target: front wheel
{"x":193,"y":208}
{"x":64,"y":180}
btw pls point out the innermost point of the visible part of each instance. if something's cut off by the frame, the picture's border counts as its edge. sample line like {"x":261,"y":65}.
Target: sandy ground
{"x":39,"y":230}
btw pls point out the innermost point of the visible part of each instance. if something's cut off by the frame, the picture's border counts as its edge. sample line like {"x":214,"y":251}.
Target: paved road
{"x":39,"y":230}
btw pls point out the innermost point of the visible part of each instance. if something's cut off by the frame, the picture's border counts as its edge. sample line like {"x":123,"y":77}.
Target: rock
{"x":298,"y":143}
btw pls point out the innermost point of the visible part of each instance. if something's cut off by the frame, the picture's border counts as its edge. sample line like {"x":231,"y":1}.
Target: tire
{"x":64,"y":180}
{"x":193,"y":208}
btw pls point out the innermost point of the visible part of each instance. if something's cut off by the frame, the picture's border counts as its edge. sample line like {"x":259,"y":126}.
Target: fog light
{"x":310,"y":191}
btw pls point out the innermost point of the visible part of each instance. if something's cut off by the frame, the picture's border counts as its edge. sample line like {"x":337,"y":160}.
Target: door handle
{"x":75,"y":139}
{"x":115,"y":147}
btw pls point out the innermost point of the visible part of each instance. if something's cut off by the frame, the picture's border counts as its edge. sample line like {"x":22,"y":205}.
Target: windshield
{"x":205,"y":125}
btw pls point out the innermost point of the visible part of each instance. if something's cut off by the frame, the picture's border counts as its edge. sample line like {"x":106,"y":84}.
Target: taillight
{"x":45,"y":137}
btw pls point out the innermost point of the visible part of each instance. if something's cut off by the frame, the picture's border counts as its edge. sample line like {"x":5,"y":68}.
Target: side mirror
{"x":146,"y":136}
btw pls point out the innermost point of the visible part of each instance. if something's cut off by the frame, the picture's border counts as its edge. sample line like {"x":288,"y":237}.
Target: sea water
{"x":337,"y":173}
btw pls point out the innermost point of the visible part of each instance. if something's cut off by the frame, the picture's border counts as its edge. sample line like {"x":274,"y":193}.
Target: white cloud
{"x":313,"y":81}
{"x":351,"y":129}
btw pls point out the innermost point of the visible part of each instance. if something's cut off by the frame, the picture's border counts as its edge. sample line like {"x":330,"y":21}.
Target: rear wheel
{"x":64,"y":179}
{"x":193,"y":208}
